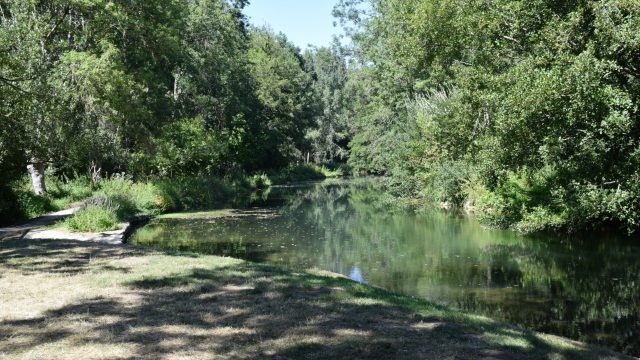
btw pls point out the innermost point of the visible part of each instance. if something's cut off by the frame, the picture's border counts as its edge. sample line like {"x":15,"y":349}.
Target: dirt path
{"x":37,"y":230}
{"x":22,"y":229}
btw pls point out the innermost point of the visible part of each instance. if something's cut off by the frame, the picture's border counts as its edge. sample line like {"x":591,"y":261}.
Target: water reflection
{"x":583,"y":288}
{"x":356,"y":275}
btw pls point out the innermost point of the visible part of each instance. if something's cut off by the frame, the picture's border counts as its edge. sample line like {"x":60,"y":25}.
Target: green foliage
{"x":333,"y":171}
{"x":64,"y":192}
{"x":298,"y":173}
{"x":32,"y":205}
{"x":528,"y":109}
{"x":284,"y":90}
{"x":18,"y":202}
{"x":331,"y":134}
{"x":123,"y":198}
{"x":93,"y":219}
{"x":127,"y":197}
{"x":186,"y":147}
{"x":259,"y":181}
{"x":448,"y":182}
{"x":8,"y":203}
{"x":452,"y":99}
{"x":136,"y":197}
{"x":168,"y":88}
{"x":197,"y":193}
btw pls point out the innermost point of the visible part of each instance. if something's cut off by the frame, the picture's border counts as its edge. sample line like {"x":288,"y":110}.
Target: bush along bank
{"x":106,"y":203}
{"x":534,"y":202}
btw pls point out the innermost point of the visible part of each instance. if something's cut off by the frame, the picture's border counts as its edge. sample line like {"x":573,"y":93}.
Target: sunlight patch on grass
{"x":560,"y":343}
{"x":363,"y":301}
{"x":352,"y":333}
{"x":509,"y":339}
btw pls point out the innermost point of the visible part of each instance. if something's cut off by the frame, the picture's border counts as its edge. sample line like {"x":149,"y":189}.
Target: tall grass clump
{"x":116,"y":200}
{"x":93,"y":219}
{"x":100,"y":214}
{"x":144,"y":197}
{"x":64,"y":191}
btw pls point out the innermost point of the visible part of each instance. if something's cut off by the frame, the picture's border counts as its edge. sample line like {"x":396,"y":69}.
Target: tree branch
{"x":55,"y":27}
{"x":15,"y":87}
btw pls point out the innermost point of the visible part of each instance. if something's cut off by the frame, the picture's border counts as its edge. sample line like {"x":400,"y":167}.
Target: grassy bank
{"x":80,"y":300}
{"x":108,"y":202}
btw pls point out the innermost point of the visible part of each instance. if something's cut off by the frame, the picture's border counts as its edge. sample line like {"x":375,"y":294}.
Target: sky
{"x":304,"y":22}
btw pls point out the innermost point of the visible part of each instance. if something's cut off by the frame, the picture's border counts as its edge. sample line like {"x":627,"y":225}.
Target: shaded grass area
{"x":70,"y":300}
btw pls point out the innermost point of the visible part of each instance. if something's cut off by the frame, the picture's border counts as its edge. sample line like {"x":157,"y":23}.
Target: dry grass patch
{"x":69,"y":300}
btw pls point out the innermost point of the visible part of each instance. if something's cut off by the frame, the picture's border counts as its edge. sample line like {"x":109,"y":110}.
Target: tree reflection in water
{"x":585,"y":288}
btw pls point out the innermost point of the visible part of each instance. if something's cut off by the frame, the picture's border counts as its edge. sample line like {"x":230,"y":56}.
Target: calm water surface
{"x":585,"y":288}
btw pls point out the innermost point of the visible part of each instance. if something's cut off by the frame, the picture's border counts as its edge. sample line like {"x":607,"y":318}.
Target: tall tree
{"x":527,"y":108}
{"x":330,"y":134}
{"x":85,"y":70}
{"x":284,"y":90}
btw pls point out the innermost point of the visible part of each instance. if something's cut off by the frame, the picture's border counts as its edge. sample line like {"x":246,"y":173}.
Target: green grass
{"x":93,"y":219}
{"x":80,"y":300}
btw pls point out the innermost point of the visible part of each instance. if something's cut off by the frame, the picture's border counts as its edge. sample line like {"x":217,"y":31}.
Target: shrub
{"x":8,"y":202}
{"x":297,"y":173}
{"x":93,"y":218}
{"x":338,"y":171}
{"x":64,"y":191}
{"x":596,"y":205}
{"x":504,"y":206}
{"x":150,"y":199}
{"x":73,"y":189}
{"x":540,"y":219}
{"x":31,"y":205}
{"x":449,"y":182}
{"x":147,"y":198}
{"x":259,"y":181}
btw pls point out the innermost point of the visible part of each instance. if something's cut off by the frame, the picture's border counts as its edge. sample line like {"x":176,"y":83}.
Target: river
{"x":586,"y":288}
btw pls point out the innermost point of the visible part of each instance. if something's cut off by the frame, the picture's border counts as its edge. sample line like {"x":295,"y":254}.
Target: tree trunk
{"x":36,"y":170}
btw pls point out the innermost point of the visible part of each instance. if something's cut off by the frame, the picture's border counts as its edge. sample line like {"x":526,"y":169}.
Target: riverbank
{"x":105,"y":203}
{"x":65,"y":299}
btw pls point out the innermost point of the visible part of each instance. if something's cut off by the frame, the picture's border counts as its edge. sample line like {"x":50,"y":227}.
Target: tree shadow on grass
{"x":247,"y":311}
{"x":58,"y":256}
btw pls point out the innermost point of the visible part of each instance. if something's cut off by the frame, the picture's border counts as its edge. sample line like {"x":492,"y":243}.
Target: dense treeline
{"x":526,"y":111}
{"x":159,"y":88}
